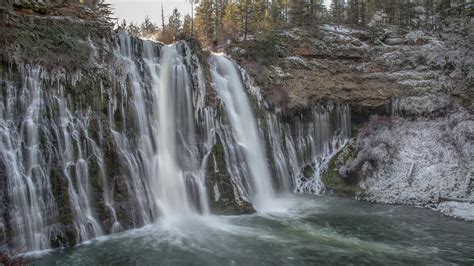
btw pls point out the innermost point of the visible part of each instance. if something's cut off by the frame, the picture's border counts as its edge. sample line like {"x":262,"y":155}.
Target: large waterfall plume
{"x":170,"y":163}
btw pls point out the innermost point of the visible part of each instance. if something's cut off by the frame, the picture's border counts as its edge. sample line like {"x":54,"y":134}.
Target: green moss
{"x":70,"y":236}
{"x":308,"y":171}
{"x":60,"y":186}
{"x":96,"y":181}
{"x":354,"y":131}
{"x":66,"y":218}
{"x":51,"y":42}
{"x":333,"y":180}
{"x":218,"y":153}
{"x":61,"y":194}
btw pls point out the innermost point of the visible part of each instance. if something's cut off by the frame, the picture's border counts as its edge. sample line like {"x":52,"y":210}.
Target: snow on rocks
{"x":429,"y":162}
{"x":462,"y":210}
{"x":296,"y":61}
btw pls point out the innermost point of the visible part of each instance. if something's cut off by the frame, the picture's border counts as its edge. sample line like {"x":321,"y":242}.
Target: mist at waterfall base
{"x":313,"y":230}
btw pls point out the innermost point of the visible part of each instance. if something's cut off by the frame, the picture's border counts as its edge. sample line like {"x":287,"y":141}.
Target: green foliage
{"x":147,"y":28}
{"x":204,"y":22}
{"x":264,"y":47}
{"x":50,"y":42}
{"x":174,"y":22}
{"x":187,"y":27}
{"x":333,"y":180}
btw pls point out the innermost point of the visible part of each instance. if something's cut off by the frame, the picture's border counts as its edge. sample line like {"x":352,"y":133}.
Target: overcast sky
{"x":135,"y":11}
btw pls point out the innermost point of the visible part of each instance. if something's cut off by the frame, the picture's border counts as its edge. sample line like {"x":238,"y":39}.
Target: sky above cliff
{"x":135,"y":11}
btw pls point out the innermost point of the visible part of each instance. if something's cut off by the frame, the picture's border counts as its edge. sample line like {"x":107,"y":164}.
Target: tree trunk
{"x":246,"y":20}
{"x":192,"y":18}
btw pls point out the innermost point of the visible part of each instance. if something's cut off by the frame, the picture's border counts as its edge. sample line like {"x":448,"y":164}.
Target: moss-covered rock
{"x":308,"y":171}
{"x":223,"y":195}
{"x":331,"y":178}
{"x":65,"y":220}
{"x":59,"y":42}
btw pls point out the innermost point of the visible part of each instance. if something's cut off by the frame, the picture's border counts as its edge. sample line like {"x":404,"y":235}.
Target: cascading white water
{"x":280,"y":164}
{"x":172,"y":195}
{"x":73,"y":175}
{"x":171,"y":181}
{"x":70,"y":133}
{"x":30,"y":151}
{"x":317,"y":140}
{"x":28,"y":182}
{"x":228,"y":83}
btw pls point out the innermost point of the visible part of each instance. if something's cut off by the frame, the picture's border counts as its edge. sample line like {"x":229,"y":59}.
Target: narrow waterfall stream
{"x":229,"y":87}
{"x":176,"y":125}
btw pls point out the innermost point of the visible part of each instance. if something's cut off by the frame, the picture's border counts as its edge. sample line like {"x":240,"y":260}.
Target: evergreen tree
{"x":174,"y":22}
{"x":299,"y":12}
{"x":147,"y":28}
{"x":204,"y":21}
{"x":354,"y":8}
{"x":337,"y":10}
{"x":187,"y":27}
{"x":192,"y":2}
{"x":133,"y":29}
{"x":231,"y":29}
{"x":246,"y":11}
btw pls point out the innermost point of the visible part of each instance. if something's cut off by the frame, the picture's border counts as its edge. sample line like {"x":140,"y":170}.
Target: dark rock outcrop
{"x":224,"y":197}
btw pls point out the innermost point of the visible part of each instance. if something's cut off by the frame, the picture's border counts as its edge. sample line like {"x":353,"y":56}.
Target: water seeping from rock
{"x":302,"y":148}
{"x":28,"y":183}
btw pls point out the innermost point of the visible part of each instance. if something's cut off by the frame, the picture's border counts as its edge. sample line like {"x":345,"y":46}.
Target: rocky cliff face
{"x":410,"y":94}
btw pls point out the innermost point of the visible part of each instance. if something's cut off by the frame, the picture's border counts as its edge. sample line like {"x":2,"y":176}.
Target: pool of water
{"x":305,"y":230}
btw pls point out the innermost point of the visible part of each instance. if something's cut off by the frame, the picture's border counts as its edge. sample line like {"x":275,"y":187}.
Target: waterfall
{"x":307,"y":144}
{"x":83,"y":158}
{"x":175,"y":118}
{"x":281,"y":168}
{"x":28,"y":182}
{"x":168,"y":160}
{"x":245,"y":133}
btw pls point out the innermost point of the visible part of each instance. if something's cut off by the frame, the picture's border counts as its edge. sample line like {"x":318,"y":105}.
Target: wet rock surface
{"x":224,"y":197}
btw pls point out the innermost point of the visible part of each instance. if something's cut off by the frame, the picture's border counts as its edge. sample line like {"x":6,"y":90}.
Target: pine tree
{"x":147,"y":28}
{"x":192,"y":2}
{"x":231,"y":29}
{"x":174,"y":22}
{"x":337,"y":10}
{"x":246,"y":11}
{"x":299,"y":12}
{"x":103,"y":10}
{"x":133,"y":29}
{"x":204,"y":21}
{"x":187,"y":27}
{"x":354,"y":7}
